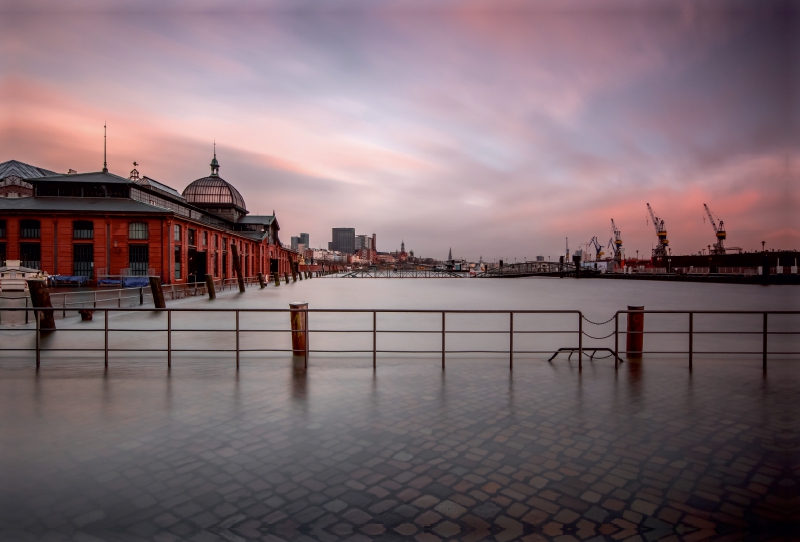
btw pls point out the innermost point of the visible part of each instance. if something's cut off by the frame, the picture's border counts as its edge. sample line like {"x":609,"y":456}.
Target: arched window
{"x":137,"y":230}
{"x":30,"y":229}
{"x":83,"y":229}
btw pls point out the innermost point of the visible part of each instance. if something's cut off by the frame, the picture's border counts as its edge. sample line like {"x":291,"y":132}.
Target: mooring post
{"x":158,"y":293}
{"x":277,"y":279}
{"x":261,"y":281}
{"x":40,"y":299}
{"x":237,"y":266}
{"x":298,"y":315}
{"x":286,"y":277}
{"x":212,"y":292}
{"x":634,"y":339}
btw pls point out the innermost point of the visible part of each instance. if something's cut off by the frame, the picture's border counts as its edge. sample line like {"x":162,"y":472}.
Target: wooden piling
{"x":286,"y":277}
{"x":212,"y":292}
{"x":158,"y":293}
{"x":40,"y":297}
{"x":277,"y":278}
{"x":261,"y":280}
{"x":237,"y":266}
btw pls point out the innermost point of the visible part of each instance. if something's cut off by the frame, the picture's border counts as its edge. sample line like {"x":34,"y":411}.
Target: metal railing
{"x":577,"y":331}
{"x":75,"y":301}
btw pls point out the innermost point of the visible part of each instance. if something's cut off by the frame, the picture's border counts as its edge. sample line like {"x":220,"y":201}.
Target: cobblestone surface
{"x":404,"y":453}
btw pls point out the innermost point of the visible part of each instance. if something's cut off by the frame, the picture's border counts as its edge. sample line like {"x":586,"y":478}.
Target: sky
{"x":496,"y":128}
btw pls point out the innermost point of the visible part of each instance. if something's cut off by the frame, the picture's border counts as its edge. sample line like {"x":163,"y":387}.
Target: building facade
{"x":344,"y":240}
{"x":100,"y":226}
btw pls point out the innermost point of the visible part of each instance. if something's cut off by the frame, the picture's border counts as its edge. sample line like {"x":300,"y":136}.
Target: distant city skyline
{"x":495,"y":133}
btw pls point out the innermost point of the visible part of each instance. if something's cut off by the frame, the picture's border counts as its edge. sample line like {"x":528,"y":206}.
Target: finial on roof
{"x":134,"y":173}
{"x":214,"y":163}
{"x":105,"y":163}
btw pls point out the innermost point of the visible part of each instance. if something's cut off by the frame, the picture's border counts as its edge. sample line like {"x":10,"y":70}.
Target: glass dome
{"x":213,"y":190}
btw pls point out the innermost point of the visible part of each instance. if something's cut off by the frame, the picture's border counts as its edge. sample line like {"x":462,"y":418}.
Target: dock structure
{"x":532,"y":269}
{"x":386,"y":273}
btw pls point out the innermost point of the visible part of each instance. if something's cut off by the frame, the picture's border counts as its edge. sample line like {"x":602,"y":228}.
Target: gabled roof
{"x":23,"y":170}
{"x":93,"y":177}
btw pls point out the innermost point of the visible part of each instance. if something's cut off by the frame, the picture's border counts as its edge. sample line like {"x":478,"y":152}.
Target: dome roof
{"x":213,"y":190}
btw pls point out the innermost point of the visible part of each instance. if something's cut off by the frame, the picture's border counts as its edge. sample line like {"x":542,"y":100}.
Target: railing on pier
{"x":687,"y":326}
{"x":71,"y":302}
{"x":400,"y":273}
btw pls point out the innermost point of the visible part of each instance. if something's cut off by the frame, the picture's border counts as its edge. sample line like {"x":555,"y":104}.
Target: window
{"x":83,"y":260}
{"x":83,"y":229}
{"x":177,"y":229}
{"x":177,"y":261}
{"x":216,"y":241}
{"x":3,"y":254}
{"x":216,"y":264}
{"x":2,"y":228}
{"x":30,"y":255}
{"x":137,"y":230}
{"x":205,"y":238}
{"x":138,"y":259}
{"x":192,"y":237}
{"x":30,"y":229}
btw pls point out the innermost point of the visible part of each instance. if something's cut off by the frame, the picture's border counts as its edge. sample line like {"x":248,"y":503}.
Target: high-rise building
{"x":295,"y":243}
{"x":344,"y":240}
{"x":304,"y":239}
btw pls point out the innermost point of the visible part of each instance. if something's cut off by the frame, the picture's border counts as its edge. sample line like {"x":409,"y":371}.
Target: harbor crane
{"x":598,"y":249}
{"x":719,"y":230}
{"x":619,"y":255}
{"x":661,"y":232}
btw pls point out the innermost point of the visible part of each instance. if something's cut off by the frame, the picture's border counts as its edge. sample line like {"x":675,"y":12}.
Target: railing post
{"x":616,"y":340}
{"x":374,"y":339}
{"x":169,"y":339}
{"x":511,"y":340}
{"x":237,"y":339}
{"x":119,"y":299}
{"x":443,"y":340}
{"x":64,"y":307}
{"x":105,"y":325}
{"x":305,"y":332}
{"x":691,"y":339}
{"x":580,"y":340}
{"x":764,"y":350}
{"x":38,"y":341}
{"x":141,"y":296}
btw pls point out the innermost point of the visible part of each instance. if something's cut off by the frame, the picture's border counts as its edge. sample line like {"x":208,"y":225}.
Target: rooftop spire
{"x":105,"y":163}
{"x":214,"y":163}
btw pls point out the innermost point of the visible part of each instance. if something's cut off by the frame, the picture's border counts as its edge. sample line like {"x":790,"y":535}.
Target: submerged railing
{"x":576,"y":331}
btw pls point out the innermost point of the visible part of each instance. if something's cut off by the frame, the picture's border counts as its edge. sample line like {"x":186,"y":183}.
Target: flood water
{"x":475,"y":451}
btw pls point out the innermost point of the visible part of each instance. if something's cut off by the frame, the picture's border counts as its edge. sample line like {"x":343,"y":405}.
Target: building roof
{"x":152,"y":183}
{"x":23,"y":170}
{"x":101,"y":205}
{"x":93,"y":177}
{"x":213,"y":190}
{"x":257,"y":219}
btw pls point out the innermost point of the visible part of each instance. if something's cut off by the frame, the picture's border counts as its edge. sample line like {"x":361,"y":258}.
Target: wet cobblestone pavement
{"x":404,"y":453}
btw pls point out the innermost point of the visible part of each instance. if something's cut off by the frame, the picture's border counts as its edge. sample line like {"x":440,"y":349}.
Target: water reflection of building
{"x":100,"y":224}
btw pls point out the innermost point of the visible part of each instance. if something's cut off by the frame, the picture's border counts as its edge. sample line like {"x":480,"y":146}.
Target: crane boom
{"x":711,"y":218}
{"x":661,"y":231}
{"x":719,"y":230}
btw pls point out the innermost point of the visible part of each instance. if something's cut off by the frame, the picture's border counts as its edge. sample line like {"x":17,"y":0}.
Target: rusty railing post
{"x":764,"y":348}
{"x":691,"y":340}
{"x":511,"y":340}
{"x":169,"y":339}
{"x":105,"y":324}
{"x":580,"y":341}
{"x":443,"y":340}
{"x":616,"y":340}
{"x":374,"y":339}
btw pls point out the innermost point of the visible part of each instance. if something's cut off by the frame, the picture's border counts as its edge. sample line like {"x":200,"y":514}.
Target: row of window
{"x":81,"y":229}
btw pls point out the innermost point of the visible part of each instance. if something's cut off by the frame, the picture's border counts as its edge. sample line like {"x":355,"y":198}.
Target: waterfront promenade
{"x":404,"y":452}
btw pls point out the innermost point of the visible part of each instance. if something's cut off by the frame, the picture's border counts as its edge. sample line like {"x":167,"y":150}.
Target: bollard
{"x":158,"y":293}
{"x":635,"y":335}
{"x":261,"y":280}
{"x":212,"y":292}
{"x":299,"y":320}
{"x":277,"y":279}
{"x":40,"y":297}
{"x":237,"y":266}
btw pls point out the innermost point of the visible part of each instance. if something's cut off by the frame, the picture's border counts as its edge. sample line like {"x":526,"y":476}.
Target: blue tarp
{"x":135,"y":282}
{"x":107,"y":282}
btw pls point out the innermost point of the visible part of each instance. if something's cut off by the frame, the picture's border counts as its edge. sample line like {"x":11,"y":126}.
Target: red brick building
{"x":99,"y":225}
